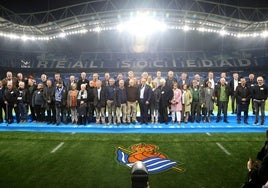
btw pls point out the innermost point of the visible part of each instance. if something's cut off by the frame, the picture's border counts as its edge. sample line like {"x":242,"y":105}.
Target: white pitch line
{"x":57,"y":147}
{"x":208,"y":134}
{"x":223,"y":149}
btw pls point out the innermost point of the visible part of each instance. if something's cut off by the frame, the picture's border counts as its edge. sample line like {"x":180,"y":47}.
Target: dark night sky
{"x":20,"y":6}
{"x":44,"y":5}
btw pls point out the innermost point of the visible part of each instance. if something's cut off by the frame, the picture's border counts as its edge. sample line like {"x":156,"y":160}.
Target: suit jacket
{"x":11,"y":96}
{"x":147,"y":93}
{"x":166,"y":96}
{"x":218,"y":92}
{"x":102,"y":101}
{"x":242,"y":92}
{"x":187,"y":82}
{"x":231,"y":84}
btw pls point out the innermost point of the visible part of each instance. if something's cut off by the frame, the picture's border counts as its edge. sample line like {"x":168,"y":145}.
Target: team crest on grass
{"x":154,"y":161}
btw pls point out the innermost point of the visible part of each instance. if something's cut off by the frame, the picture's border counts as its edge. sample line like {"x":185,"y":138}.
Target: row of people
{"x":155,"y":95}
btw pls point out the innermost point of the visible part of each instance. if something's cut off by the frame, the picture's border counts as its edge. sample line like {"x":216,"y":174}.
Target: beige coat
{"x":187,"y":99}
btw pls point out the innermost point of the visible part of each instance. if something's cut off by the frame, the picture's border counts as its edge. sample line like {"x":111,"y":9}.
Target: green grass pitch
{"x":89,"y":160}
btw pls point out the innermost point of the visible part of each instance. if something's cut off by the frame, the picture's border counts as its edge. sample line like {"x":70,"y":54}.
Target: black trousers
{"x":144,"y":111}
{"x":195,"y":111}
{"x":90,"y":110}
{"x":242,"y":107}
{"x":222,"y":107}
{"x":163,"y":112}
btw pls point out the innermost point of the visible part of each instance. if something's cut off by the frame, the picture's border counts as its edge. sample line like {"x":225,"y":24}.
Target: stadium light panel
{"x":264,"y":34}
{"x":62,"y":35}
{"x":186,"y":28}
{"x":142,"y":24}
{"x":223,"y":32}
{"x":97,"y":29}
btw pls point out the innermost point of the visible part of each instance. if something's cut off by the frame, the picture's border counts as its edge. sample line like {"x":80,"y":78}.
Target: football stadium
{"x":134,"y":93}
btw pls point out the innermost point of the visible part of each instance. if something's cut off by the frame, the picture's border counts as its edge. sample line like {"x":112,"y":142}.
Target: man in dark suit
{"x":10,"y":98}
{"x":165,"y":99}
{"x":243,"y":96}
{"x":100,"y":102}
{"x":145,"y":93}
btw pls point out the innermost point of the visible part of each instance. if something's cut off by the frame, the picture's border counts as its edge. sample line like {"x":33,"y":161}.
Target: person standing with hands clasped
{"x":259,"y":97}
{"x":243,"y":96}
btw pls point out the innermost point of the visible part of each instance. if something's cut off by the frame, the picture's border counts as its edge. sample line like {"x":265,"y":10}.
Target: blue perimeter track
{"x":213,"y":127}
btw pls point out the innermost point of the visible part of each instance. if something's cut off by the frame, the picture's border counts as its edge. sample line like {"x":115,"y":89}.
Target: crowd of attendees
{"x":116,"y":100}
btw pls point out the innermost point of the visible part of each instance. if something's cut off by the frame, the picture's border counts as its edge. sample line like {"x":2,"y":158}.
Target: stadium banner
{"x":127,"y":61}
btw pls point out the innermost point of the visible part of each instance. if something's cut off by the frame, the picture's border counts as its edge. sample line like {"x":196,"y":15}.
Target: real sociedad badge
{"x":154,"y":161}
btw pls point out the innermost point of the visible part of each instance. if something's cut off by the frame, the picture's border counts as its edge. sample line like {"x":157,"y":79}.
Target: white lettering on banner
{"x":151,"y":63}
{"x":78,"y":64}
{"x":207,"y":63}
{"x":159,"y":64}
{"x":42,"y":64}
{"x":225,"y":63}
{"x":142,"y":64}
{"x":191,"y":63}
{"x":174,"y":63}
{"x":92,"y":65}
{"x":243,"y":62}
{"x":124,"y":64}
{"x":61,"y":64}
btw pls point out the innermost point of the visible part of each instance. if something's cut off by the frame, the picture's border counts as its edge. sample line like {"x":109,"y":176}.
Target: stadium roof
{"x":55,"y":18}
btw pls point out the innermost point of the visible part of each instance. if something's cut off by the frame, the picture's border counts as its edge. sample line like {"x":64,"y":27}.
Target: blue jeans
{"x":22,"y":111}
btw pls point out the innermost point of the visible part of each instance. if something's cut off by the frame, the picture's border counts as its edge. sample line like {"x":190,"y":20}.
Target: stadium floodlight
{"x":24,"y":37}
{"x":201,"y":29}
{"x":62,"y":35}
{"x":139,"y":175}
{"x":264,"y":34}
{"x":97,"y":29}
{"x":142,"y":24}
{"x":223,"y":32}
{"x":186,"y":28}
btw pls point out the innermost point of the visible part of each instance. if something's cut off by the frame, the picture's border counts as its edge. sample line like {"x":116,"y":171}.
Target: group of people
{"x":84,"y":101}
